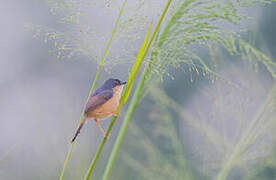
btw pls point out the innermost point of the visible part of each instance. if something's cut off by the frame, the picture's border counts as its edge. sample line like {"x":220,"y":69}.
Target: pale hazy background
{"x":42,"y":96}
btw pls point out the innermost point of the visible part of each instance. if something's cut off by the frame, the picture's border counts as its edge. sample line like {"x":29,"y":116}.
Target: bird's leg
{"x":98,"y":124}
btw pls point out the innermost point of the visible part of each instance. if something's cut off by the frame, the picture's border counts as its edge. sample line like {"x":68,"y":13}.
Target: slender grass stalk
{"x":134,"y":101}
{"x":91,"y":90}
{"x":132,"y":76}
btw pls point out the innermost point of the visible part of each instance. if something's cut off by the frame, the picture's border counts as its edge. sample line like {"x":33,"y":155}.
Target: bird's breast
{"x":109,"y":107}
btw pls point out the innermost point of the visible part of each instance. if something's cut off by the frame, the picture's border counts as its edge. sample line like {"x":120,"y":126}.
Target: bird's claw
{"x":106,"y":137}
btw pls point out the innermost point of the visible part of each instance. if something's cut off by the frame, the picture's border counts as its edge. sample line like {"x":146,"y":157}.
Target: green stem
{"x":91,"y":90}
{"x":134,"y":101}
{"x":91,"y":168}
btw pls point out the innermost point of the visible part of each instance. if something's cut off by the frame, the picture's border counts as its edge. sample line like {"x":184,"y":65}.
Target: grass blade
{"x":135,"y":68}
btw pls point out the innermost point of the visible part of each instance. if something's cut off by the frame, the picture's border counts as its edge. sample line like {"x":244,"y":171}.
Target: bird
{"x":102,"y":103}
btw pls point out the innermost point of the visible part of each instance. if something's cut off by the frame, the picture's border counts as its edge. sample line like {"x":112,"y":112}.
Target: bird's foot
{"x":115,"y":114}
{"x":106,"y":137}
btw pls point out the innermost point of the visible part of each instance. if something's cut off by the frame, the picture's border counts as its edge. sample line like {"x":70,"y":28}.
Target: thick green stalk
{"x":91,"y":91}
{"x":134,"y":101}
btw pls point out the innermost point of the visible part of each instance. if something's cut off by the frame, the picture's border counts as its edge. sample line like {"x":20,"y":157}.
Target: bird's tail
{"x":78,"y":130}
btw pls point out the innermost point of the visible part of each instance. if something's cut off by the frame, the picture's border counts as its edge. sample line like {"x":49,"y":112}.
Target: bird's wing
{"x":98,"y":99}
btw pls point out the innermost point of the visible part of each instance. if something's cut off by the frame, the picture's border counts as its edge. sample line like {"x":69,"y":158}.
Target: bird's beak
{"x":123,"y":83}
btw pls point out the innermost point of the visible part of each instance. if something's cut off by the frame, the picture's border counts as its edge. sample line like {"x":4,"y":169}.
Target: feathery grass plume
{"x":195,"y":23}
{"x":77,"y":34}
{"x":260,"y":125}
{"x":64,"y":46}
{"x":68,"y":11}
{"x":62,"y":42}
{"x":204,"y":24}
{"x":253,"y":142}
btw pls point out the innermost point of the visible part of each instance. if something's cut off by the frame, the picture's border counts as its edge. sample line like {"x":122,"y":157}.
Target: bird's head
{"x":112,"y":83}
